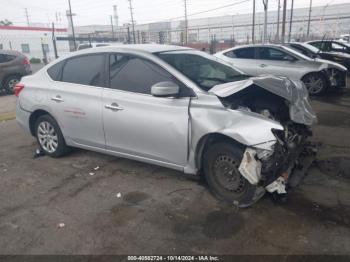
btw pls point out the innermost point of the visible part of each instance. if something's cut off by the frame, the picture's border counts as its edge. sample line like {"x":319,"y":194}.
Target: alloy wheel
{"x":314,"y":84}
{"x":47,"y":137}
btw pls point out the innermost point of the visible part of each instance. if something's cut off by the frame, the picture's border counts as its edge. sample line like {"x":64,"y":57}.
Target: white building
{"x":33,"y":40}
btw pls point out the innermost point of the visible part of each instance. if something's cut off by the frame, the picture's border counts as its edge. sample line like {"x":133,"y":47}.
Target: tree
{"x":5,"y":22}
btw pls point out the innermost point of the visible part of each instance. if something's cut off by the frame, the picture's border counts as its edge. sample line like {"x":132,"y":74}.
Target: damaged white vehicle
{"x":174,"y":107}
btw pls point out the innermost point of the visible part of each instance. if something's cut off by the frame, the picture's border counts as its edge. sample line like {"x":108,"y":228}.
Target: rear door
{"x":75,"y":98}
{"x":137,"y":124}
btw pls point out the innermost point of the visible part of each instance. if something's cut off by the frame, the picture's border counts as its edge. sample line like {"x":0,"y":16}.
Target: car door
{"x":75,"y":98}
{"x":139,"y":125}
{"x":278,"y":62}
{"x":244,"y":59}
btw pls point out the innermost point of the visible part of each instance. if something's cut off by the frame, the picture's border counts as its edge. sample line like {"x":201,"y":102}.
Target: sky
{"x":99,"y":11}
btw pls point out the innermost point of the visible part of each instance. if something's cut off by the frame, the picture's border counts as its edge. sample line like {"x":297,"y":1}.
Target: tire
{"x":49,"y":137}
{"x":10,"y":82}
{"x":315,"y":83}
{"x":231,"y":187}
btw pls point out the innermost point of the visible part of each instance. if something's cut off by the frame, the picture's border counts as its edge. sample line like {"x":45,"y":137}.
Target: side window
{"x":230,"y":54}
{"x":316,"y":44}
{"x":245,"y":53}
{"x":55,"y":71}
{"x":25,"y":48}
{"x":85,"y":70}
{"x":337,"y":47}
{"x":137,"y":75}
{"x":6,"y":58}
{"x":267,"y":53}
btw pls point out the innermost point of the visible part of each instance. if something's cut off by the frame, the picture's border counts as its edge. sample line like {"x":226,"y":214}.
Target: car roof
{"x":10,"y":52}
{"x":147,"y":48}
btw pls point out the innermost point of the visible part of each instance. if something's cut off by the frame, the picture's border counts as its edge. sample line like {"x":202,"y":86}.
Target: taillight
{"x":18,"y":88}
{"x":26,"y":61}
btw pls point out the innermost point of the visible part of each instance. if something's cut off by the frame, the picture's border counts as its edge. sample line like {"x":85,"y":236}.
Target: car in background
{"x":331,"y":46}
{"x":279,"y":60}
{"x":315,"y":53}
{"x":92,"y":45}
{"x":13,"y":65}
{"x":174,"y":107}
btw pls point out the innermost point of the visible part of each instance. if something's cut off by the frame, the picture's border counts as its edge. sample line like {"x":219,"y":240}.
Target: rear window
{"x":84,"y":70}
{"x":55,"y":71}
{"x":6,"y":58}
{"x":244,"y":53}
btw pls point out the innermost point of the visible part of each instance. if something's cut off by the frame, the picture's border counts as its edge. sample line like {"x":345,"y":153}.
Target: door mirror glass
{"x":165,"y":89}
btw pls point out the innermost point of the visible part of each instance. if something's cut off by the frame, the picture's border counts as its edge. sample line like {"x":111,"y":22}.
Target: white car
{"x":316,"y":74}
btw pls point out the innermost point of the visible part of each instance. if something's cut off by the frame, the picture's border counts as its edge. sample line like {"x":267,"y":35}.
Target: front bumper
{"x":336,"y":78}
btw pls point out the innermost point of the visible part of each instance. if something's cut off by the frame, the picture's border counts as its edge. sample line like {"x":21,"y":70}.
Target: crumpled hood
{"x":331,"y":64}
{"x":300,"y":110}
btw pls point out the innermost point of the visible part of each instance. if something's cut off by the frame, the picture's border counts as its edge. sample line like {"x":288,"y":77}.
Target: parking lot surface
{"x":89,"y":203}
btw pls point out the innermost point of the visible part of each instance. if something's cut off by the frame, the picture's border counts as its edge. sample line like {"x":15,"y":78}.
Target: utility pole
{"x":308,"y":23}
{"x":27,"y":16}
{"x":291,"y":21}
{"x":265,"y":2}
{"x":284,"y":21}
{"x":115,"y":14}
{"x":112,"y":27}
{"x":278,"y":21}
{"x":132,"y":21}
{"x":186,"y":23}
{"x":54,"y":40}
{"x":71,"y":22}
{"x":253,"y":28}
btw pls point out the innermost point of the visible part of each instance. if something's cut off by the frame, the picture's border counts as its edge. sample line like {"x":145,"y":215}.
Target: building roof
{"x":31,"y":28}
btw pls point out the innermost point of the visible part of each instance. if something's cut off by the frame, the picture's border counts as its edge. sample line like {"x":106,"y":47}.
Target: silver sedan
{"x":174,"y":107}
{"x":317,"y":74}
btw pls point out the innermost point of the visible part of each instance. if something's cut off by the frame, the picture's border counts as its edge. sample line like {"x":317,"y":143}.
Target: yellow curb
{"x":6,"y":117}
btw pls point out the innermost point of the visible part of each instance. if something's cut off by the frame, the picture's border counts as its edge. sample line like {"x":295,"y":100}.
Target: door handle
{"x":114,"y":107}
{"x":263,"y":65}
{"x":57,"y":98}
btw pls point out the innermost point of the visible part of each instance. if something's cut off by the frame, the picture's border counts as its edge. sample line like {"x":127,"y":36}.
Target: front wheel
{"x":221,"y":163}
{"x":49,"y":137}
{"x":315,"y":83}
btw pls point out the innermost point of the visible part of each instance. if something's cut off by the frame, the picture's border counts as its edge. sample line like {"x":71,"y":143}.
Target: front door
{"x":137,"y":124}
{"x":277,"y":62}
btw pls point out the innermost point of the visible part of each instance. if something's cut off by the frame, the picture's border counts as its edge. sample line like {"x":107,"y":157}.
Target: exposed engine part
{"x":278,"y":186}
{"x":250,"y":168}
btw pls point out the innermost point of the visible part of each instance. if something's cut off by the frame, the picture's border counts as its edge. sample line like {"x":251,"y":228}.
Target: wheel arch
{"x":207,"y":140}
{"x":34,"y":116}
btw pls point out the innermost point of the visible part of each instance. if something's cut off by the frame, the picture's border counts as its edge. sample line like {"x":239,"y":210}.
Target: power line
{"x":70,"y":15}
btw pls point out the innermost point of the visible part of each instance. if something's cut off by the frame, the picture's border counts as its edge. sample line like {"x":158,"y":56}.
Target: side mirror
{"x":165,"y":89}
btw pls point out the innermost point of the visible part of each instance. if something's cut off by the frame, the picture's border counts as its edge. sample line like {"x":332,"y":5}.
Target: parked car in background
{"x":331,"y":46}
{"x":175,"y":107}
{"x":91,"y":45}
{"x":315,"y":53}
{"x":13,"y":65}
{"x":279,"y":60}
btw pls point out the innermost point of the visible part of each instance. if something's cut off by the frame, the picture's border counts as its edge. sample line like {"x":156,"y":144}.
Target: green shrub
{"x":35,"y":60}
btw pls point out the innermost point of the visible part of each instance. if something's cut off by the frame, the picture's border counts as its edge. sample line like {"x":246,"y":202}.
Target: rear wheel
{"x":10,"y":83}
{"x":49,"y":137}
{"x":221,"y":163}
{"x":315,"y":83}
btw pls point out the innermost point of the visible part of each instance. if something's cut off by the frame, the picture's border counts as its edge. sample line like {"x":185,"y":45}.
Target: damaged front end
{"x":280,"y":164}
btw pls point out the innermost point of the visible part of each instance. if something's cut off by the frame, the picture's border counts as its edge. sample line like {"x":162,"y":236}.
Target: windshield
{"x":203,"y":69}
{"x":311,"y":48}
